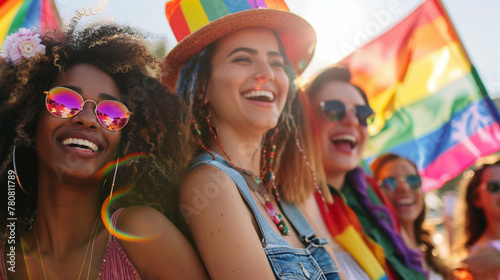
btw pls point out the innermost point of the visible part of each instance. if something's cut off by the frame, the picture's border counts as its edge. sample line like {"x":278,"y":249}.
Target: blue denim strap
{"x":299,"y":223}
{"x":271,"y":238}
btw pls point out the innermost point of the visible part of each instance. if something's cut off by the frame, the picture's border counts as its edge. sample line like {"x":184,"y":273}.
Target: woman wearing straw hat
{"x":237,"y":73}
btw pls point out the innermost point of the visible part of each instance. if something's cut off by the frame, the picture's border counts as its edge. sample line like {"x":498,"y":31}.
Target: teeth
{"x":405,"y":201}
{"x":345,"y":137}
{"x":259,"y":93}
{"x":80,"y":142}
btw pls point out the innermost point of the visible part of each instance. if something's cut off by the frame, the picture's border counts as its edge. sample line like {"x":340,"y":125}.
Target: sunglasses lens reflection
{"x":63,"y":103}
{"x":493,"y":187}
{"x":389,"y":183}
{"x":364,"y":114}
{"x":335,"y":110}
{"x":414,"y":181}
{"x":112,"y":115}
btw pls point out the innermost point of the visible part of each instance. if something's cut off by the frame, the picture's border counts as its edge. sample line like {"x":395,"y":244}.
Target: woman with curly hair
{"x":400,"y":181}
{"x":83,"y":118}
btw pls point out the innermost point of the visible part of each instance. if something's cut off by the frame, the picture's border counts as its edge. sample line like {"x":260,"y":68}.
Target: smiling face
{"x":343,"y":141}
{"x":486,"y":200}
{"x":77,"y":147}
{"x":408,"y":203}
{"x":248,"y":85}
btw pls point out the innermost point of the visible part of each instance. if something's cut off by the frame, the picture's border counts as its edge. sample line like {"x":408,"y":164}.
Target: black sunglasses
{"x":391,"y":183}
{"x":335,"y":110}
{"x":492,"y":187}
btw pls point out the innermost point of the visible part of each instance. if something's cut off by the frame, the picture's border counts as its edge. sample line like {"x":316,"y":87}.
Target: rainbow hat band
{"x":198,"y":23}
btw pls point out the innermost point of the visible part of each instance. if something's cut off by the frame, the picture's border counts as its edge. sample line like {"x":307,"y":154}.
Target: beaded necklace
{"x":275,"y":216}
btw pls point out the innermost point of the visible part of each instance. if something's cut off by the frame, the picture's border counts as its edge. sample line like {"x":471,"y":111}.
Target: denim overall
{"x":307,"y":236}
{"x":286,"y":262}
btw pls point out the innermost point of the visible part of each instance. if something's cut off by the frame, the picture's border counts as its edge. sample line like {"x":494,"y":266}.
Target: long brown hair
{"x":475,"y":221}
{"x":191,"y":87}
{"x":422,"y":235}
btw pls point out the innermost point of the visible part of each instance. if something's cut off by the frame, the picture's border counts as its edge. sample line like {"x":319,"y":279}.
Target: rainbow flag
{"x":430,"y":104}
{"x":15,"y":14}
{"x":201,"y":12}
{"x":345,"y":227}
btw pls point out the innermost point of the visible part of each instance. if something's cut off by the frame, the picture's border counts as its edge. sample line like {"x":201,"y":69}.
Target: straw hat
{"x":296,"y":34}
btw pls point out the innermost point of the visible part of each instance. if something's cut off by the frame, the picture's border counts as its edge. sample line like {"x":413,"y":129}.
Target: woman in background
{"x":402,"y":184}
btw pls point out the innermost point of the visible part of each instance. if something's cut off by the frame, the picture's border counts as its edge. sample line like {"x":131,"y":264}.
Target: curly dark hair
{"x":422,"y":235}
{"x":157,"y":126}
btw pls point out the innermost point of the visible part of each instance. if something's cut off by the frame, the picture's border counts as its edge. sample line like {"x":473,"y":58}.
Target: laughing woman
{"x":237,"y":74}
{"x":70,"y":103}
{"x":400,"y":181}
{"x":348,"y":211}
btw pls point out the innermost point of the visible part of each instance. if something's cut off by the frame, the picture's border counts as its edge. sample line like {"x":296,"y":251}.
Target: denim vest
{"x":285,"y":261}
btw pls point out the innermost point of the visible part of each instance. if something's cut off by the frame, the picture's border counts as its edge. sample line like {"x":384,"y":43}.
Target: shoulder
{"x":153,"y":242}
{"x":207,"y":185}
{"x":142,"y":221}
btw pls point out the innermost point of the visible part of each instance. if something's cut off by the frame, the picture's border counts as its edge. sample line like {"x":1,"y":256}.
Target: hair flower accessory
{"x":22,"y":44}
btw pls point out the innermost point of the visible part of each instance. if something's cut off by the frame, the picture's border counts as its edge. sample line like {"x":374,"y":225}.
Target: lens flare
{"x":105,"y":208}
{"x":27,"y":260}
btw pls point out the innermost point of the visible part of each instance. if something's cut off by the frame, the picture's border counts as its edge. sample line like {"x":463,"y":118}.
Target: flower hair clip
{"x":23,"y":44}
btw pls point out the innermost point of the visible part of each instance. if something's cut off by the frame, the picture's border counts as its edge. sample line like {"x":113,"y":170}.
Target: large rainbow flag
{"x":15,"y":14}
{"x":430,"y":104}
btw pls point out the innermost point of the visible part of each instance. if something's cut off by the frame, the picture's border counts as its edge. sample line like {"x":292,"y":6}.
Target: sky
{"x":341,"y":26}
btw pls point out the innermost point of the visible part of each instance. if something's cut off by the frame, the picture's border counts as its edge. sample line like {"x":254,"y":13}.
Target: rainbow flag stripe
{"x":430,"y":103}
{"x":15,"y":14}
{"x":187,"y":16}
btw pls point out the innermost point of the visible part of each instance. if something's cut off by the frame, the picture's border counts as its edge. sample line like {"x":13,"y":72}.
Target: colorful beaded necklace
{"x":275,"y":216}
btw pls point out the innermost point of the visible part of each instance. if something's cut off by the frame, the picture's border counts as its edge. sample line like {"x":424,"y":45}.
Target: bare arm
{"x":222,"y":226}
{"x":167,"y":254}
{"x":483,"y":263}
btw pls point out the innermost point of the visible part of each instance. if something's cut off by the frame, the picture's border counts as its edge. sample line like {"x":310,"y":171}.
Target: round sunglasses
{"x":492,"y":186}
{"x":391,"y":183}
{"x":66,"y":103}
{"x":335,"y":110}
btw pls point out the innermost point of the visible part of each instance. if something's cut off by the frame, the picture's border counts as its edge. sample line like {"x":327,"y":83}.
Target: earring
{"x":217,"y":139}
{"x":114,"y":177}
{"x":15,"y":171}
{"x":197,"y":130}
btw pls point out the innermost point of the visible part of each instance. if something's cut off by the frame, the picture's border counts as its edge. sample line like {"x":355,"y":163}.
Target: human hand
{"x":483,"y":264}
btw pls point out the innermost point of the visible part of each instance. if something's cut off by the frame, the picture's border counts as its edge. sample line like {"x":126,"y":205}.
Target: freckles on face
{"x":78,"y":147}
{"x":342,"y":141}
{"x":408,"y":202}
{"x":248,"y":86}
